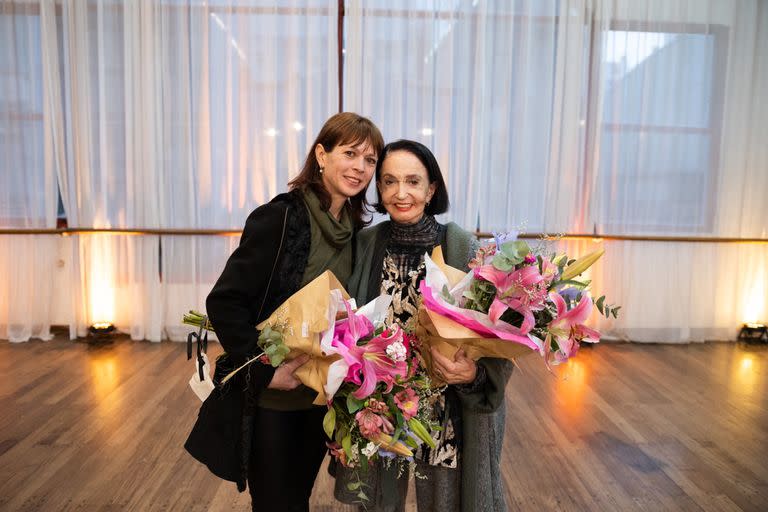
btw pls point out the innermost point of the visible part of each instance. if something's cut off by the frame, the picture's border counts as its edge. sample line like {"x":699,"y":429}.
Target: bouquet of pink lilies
{"x":380,"y":407}
{"x":511,"y":299}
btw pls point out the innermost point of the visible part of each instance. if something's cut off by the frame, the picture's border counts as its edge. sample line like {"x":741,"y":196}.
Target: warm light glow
{"x":745,"y":373}
{"x":298,"y":126}
{"x":271,"y":132}
{"x":572,"y":387}
{"x":101,"y":276}
{"x":754,"y":305}
{"x":104,"y":375}
{"x":427,"y":131}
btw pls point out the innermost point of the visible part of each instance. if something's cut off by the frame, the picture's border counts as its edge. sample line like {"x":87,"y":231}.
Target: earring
{"x":321,"y":170}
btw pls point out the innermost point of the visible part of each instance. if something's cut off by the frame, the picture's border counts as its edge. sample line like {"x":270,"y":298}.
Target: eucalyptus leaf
{"x":515,"y":250}
{"x":502,"y":263}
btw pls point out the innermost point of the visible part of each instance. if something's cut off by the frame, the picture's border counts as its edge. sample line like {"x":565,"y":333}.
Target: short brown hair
{"x":345,"y":128}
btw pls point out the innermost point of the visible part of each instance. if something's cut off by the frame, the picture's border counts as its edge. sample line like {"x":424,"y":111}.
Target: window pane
{"x":659,"y":134}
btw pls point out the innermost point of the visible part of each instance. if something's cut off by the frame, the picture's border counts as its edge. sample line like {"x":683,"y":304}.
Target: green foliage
{"x":197,"y":319}
{"x":346,"y":443}
{"x":353,"y":404}
{"x":599,"y":304}
{"x":271,"y":342}
{"x":607,"y":310}
{"x":480,"y":295}
{"x":329,"y":422}
{"x":510,"y":254}
{"x":581,"y":285}
{"x":446,"y":295}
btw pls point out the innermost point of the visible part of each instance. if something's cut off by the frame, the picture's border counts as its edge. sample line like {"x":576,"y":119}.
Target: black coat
{"x":264,"y":271}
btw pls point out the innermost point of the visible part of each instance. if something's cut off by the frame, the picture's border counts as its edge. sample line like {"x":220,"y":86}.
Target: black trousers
{"x":288,"y":449}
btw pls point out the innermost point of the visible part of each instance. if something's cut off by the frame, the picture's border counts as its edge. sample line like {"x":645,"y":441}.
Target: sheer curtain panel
{"x":28,"y":196}
{"x":638,"y":118}
{"x":176,"y":115}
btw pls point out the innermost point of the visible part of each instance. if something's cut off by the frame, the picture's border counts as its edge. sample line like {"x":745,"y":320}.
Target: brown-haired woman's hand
{"x":284,"y":379}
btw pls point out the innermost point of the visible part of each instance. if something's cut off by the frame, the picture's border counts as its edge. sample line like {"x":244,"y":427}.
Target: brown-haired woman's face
{"x":347,"y":169}
{"x":404,"y":187}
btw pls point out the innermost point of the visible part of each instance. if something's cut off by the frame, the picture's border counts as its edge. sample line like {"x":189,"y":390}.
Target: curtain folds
{"x":629,"y":117}
{"x":27,"y":183}
{"x":592,"y":116}
{"x":154,"y":115}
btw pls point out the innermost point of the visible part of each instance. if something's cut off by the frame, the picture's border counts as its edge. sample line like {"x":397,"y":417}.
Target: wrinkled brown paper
{"x":448,"y":336}
{"x":305,"y":316}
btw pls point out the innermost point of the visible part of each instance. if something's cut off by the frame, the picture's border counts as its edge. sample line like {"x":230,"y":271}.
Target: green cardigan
{"x":483,"y":411}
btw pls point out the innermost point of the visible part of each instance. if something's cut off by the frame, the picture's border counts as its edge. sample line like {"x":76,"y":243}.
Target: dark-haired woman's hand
{"x":462,"y":370}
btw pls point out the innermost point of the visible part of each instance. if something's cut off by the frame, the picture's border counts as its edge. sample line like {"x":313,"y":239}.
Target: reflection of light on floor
{"x":104,"y":376}
{"x":744,"y":374}
{"x":571,"y":386}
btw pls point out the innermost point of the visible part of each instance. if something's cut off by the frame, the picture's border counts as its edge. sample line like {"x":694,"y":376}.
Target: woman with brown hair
{"x":262,"y":427}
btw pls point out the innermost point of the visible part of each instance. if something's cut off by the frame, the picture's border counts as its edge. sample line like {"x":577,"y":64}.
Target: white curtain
{"x":27,"y":183}
{"x":595,"y":116}
{"x":165,"y":115}
{"x":244,"y":100}
{"x":592,"y":116}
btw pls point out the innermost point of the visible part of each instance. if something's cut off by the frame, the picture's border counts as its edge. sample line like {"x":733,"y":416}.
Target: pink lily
{"x":568,"y":327}
{"x":523,"y":290}
{"x":370,"y":364}
{"x":548,"y":271}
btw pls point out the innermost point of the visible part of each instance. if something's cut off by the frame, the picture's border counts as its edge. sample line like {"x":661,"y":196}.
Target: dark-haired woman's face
{"x":404,"y":187}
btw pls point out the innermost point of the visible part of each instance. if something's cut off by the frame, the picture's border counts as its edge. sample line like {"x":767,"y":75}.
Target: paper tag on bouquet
{"x":202,"y":388}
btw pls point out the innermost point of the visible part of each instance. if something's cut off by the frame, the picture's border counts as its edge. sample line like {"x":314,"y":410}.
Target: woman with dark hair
{"x":262,"y":427}
{"x":462,"y":472}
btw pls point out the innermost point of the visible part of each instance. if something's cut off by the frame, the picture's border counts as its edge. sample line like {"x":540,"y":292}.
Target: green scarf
{"x":331,"y":247}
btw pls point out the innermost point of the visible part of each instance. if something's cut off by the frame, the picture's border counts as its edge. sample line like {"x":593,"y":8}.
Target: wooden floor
{"x":631,"y":427}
